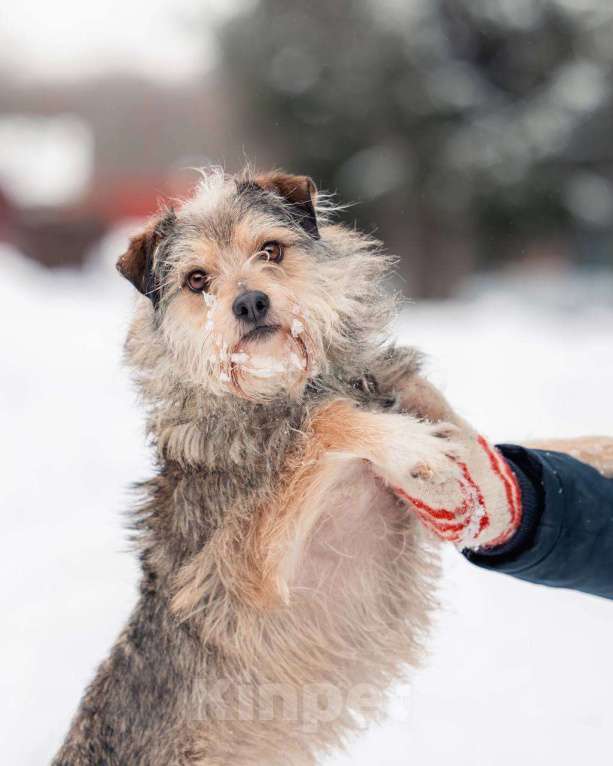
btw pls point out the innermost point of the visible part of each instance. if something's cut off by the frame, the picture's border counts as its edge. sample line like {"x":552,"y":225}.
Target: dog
{"x":284,"y":586}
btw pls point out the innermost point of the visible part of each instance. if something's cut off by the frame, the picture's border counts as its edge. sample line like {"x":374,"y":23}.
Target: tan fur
{"x":278,"y":567}
{"x":596,"y":451}
{"x":324,"y":588}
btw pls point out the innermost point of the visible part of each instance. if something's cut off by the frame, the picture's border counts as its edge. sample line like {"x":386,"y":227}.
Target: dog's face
{"x":247,"y":296}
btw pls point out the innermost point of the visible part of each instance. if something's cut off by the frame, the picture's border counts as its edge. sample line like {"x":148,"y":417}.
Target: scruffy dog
{"x":284,"y":587}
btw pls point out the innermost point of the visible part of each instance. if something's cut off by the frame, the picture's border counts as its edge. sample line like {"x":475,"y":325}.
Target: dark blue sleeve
{"x":566,"y":536}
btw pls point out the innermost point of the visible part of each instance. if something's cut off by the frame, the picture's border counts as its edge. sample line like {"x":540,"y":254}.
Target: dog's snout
{"x":251,"y":306}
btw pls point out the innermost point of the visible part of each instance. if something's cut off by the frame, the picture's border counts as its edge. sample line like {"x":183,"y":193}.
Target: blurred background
{"x":472,"y":134}
{"x":475,"y":139}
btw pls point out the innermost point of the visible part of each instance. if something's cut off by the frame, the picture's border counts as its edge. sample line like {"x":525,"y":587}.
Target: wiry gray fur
{"x":219,"y":460}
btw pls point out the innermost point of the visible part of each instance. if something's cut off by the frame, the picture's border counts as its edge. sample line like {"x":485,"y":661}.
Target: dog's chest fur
{"x":352,"y":585}
{"x":222,"y":460}
{"x":359,"y":589}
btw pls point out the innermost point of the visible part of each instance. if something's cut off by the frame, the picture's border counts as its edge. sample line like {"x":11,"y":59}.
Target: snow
{"x":297,"y":327}
{"x":517,"y":673}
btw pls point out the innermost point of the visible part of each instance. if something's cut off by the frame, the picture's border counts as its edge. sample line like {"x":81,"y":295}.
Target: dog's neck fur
{"x":255,"y":435}
{"x":187,"y":425}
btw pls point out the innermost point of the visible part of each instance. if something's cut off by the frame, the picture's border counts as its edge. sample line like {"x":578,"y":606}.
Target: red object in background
{"x":123,"y":198}
{"x":63,"y":236}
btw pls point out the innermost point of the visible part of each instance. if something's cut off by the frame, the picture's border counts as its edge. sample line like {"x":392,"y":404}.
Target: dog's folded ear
{"x":137,"y":263}
{"x":299,"y":192}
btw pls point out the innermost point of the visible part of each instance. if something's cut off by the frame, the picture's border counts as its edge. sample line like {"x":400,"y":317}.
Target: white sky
{"x":68,"y":39}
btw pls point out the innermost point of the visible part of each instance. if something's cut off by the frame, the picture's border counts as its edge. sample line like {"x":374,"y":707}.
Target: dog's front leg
{"x":400,"y":449}
{"x":396,"y":373}
{"x":419,"y":397}
{"x":596,"y":451}
{"x":393,"y":450}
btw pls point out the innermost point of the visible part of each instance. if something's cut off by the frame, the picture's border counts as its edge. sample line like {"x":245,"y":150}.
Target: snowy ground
{"x":518,"y":674}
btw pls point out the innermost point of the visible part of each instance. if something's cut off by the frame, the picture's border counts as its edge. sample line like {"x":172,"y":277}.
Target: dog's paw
{"x":419,"y":453}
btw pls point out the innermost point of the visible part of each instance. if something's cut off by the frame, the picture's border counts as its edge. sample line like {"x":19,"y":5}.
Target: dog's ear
{"x":136,"y":264}
{"x":299,"y":192}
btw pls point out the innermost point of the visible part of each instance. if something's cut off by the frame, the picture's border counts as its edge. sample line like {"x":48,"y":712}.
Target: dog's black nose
{"x":251,"y":306}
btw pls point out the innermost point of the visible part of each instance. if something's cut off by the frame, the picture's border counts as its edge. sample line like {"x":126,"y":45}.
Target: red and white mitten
{"x":476,"y":506}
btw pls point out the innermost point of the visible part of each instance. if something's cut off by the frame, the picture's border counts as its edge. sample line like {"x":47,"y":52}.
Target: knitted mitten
{"x":479,"y":506}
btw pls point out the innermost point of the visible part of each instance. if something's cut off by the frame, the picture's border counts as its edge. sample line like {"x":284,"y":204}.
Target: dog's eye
{"x":197,"y":281}
{"x":273,"y":251}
